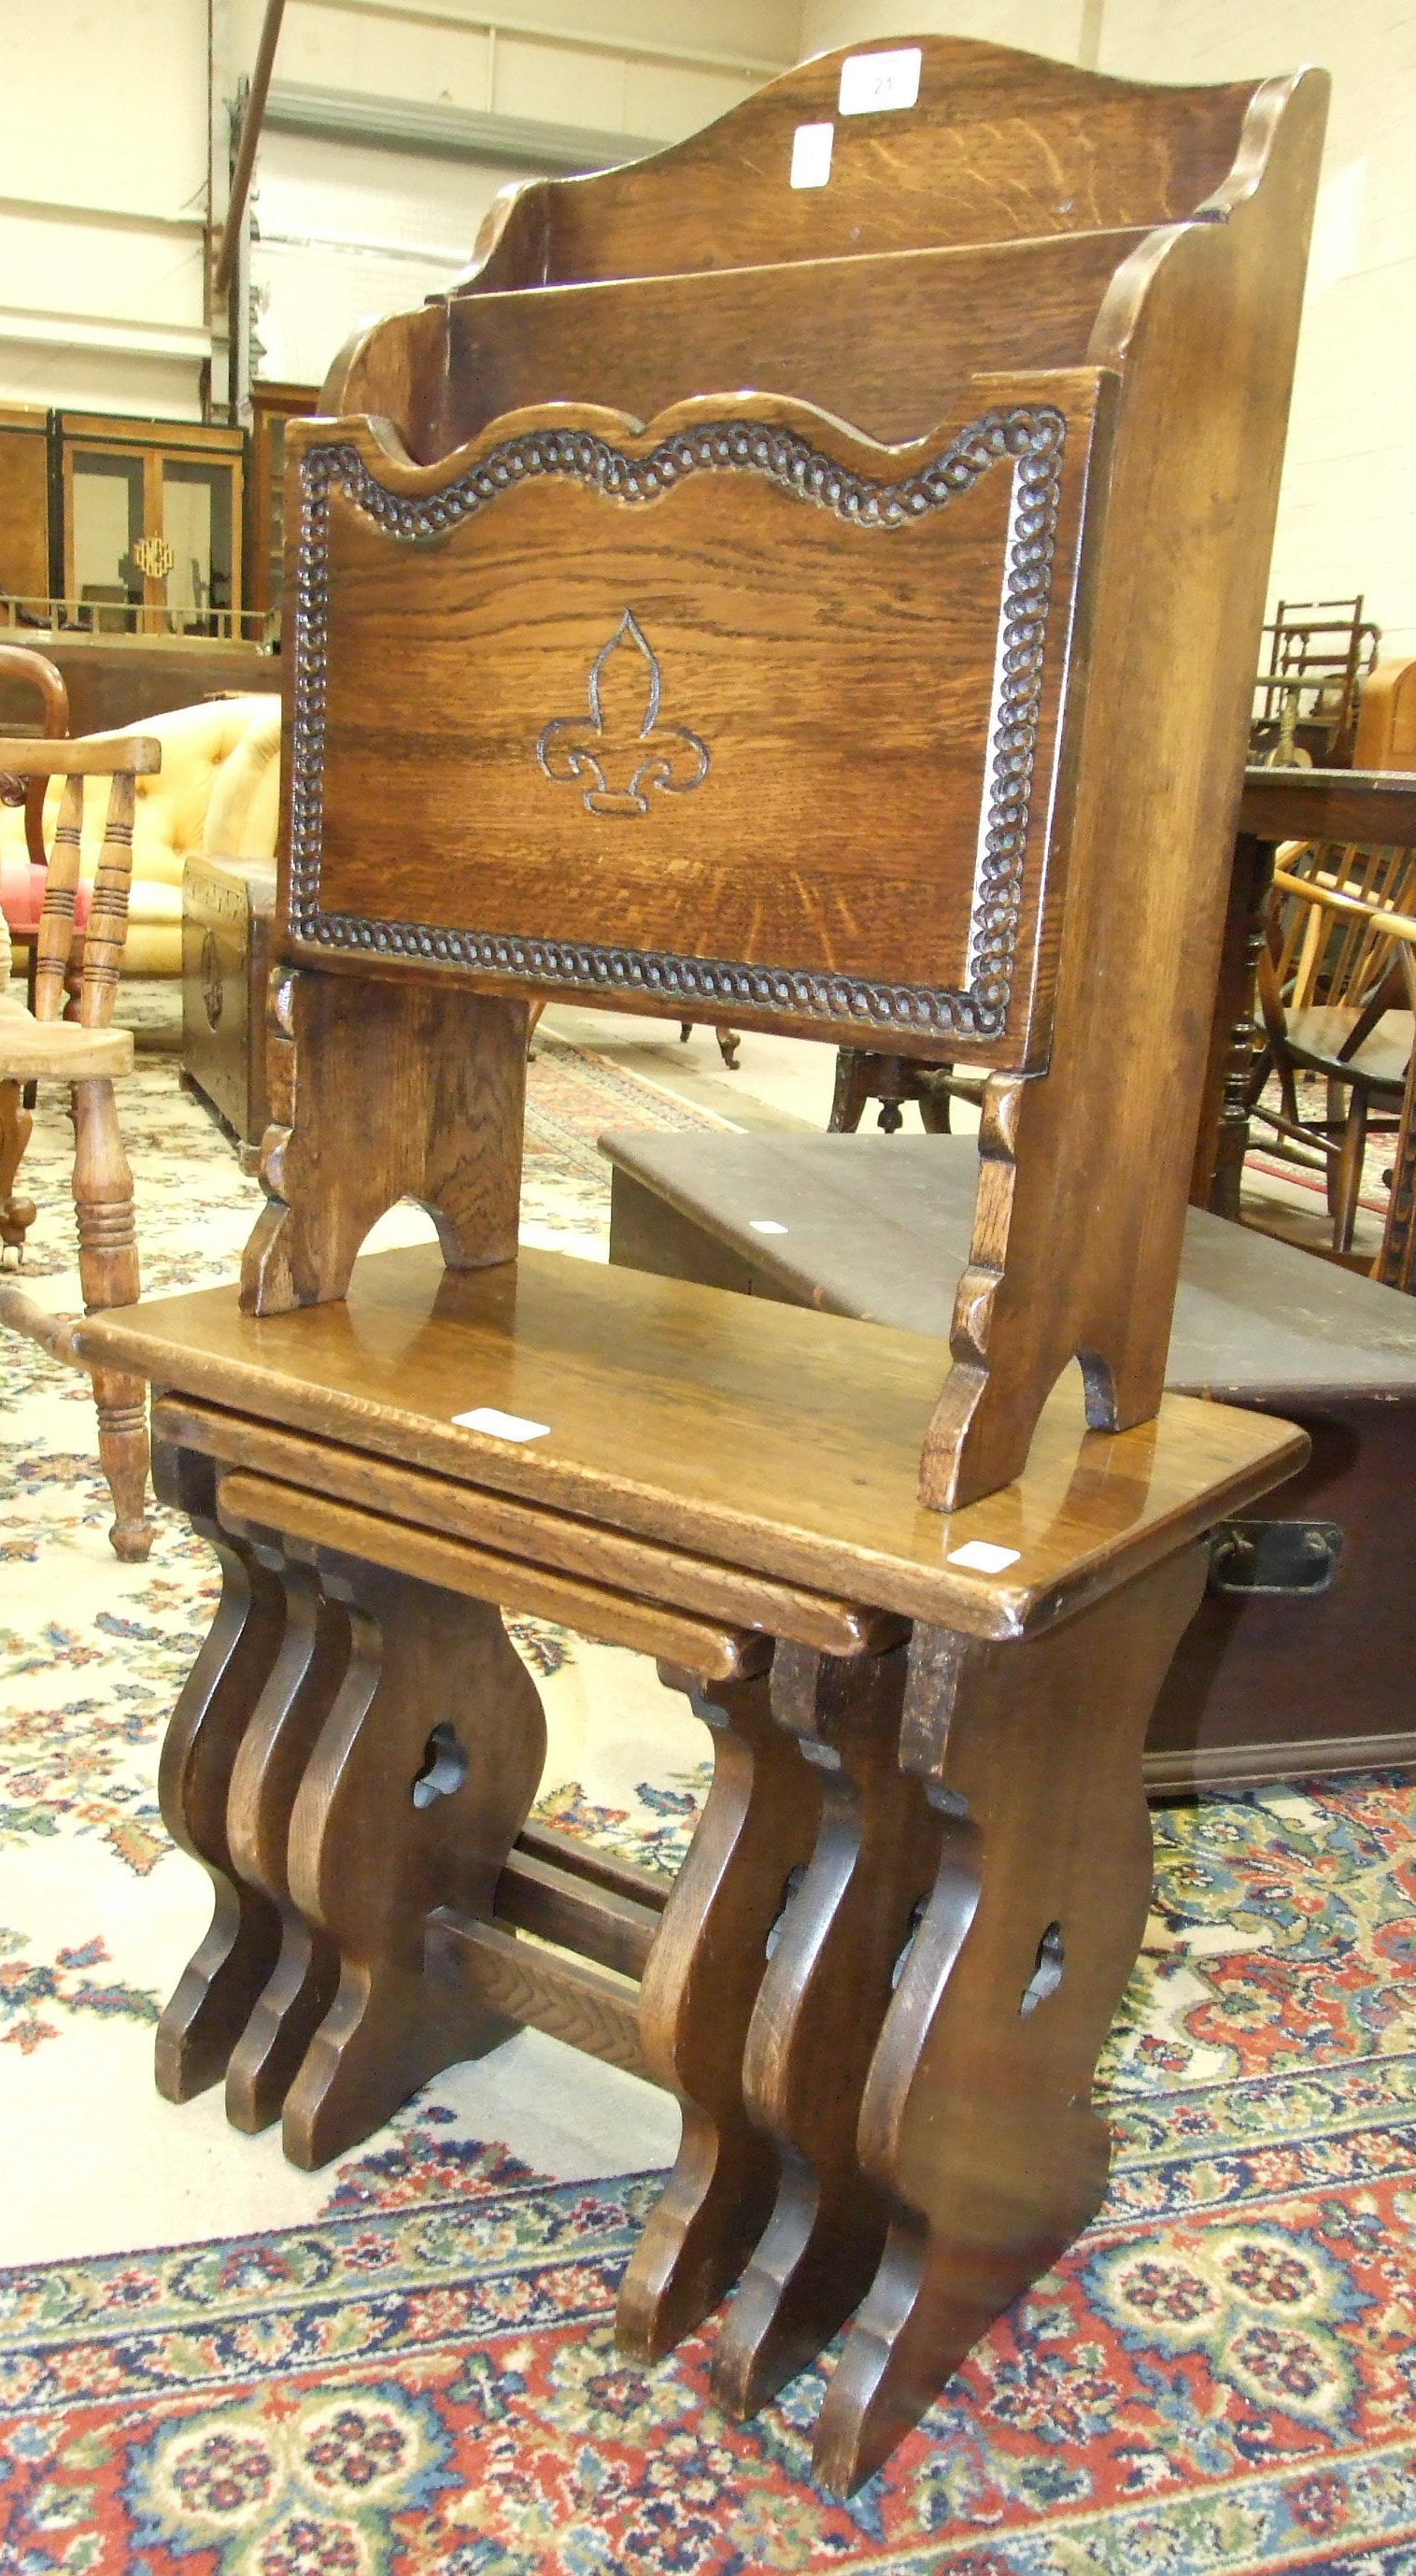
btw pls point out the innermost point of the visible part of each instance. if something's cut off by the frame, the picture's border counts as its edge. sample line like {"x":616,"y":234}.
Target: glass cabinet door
{"x":153,"y":532}
{"x":197,"y":524}
{"x":107,"y":519}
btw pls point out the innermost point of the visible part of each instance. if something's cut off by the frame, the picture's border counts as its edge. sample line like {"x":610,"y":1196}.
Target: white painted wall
{"x":345,"y":232}
{"x":1347,"y":513}
{"x":105,"y":156}
{"x":103,"y":170}
{"x":104,"y":177}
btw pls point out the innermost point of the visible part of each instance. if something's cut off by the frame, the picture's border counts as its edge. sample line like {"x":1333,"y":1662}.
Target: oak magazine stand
{"x":900,"y":699}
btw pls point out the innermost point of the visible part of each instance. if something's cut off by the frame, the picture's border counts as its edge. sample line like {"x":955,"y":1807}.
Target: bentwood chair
{"x":88,"y":1053}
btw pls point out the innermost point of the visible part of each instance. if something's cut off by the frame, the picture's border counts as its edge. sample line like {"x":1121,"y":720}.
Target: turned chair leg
{"x":17,"y":1215}
{"x":108,"y":1271}
{"x":1346,"y":1170}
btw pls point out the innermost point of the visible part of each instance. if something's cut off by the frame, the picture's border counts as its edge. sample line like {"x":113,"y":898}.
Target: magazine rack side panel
{"x":738,"y":714}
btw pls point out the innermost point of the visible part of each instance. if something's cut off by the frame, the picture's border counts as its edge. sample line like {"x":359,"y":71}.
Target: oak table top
{"x":761,"y":1435}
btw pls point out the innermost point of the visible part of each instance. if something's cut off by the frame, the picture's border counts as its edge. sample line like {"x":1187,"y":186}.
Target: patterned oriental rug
{"x":211,"y":2365}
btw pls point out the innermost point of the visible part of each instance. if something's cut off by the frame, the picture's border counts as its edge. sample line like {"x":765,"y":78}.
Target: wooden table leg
{"x":219,"y":1987}
{"x":419,"y":1783}
{"x":1217,"y":1175}
{"x":696,"y":2001}
{"x":1395,"y":1264}
{"x":270,"y":1765}
{"x":976,"y":2119}
{"x":819,"y":2013}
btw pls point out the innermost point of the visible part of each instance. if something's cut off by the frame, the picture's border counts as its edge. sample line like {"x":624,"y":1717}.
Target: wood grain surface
{"x":379,"y":1093}
{"x":762,"y":1436}
{"x":542,"y":1539}
{"x":270,"y":1765}
{"x":696,"y":2001}
{"x":616,"y":1618}
{"x":632,"y":720}
{"x":218,"y":1988}
{"x":369,"y":1858}
{"x":976,"y":2120}
{"x":883,"y":341}
{"x":817,"y":2019}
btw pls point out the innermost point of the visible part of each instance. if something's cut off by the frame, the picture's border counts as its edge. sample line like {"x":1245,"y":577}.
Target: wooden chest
{"x":1303,"y":1654}
{"x":227,"y":909}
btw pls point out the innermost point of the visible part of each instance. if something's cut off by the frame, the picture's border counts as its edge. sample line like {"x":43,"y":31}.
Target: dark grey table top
{"x":878,"y":1227}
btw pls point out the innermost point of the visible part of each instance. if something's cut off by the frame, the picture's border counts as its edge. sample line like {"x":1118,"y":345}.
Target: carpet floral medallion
{"x":211,"y":2365}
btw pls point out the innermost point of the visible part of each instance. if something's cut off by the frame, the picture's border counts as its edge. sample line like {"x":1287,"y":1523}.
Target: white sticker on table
{"x":501,"y":1426}
{"x":981,"y":1557}
{"x":811,"y":155}
{"x":765,"y":1225}
{"x":871,"y":83}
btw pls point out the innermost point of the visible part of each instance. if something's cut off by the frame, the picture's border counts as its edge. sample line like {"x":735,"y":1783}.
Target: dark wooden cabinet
{"x":272,"y":407}
{"x":150,"y":524}
{"x":24,"y":506}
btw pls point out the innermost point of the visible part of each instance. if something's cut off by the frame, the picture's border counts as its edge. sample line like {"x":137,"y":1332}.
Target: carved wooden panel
{"x":737,"y":713}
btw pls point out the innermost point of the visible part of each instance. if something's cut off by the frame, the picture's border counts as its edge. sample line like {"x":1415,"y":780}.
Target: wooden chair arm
{"x":85,"y":756}
{"x":1393,"y":925}
{"x":45,"y":676}
{"x":122,"y":760}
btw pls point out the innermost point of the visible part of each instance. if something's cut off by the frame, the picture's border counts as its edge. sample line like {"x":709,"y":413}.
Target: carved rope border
{"x":1032,"y":436}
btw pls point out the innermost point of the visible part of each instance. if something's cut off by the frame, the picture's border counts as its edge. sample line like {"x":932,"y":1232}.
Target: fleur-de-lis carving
{"x":621,"y":748}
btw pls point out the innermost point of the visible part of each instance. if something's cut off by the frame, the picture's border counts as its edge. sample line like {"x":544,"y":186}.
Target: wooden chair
{"x":17,"y":1215}
{"x":1337,"y":992}
{"x":1315,"y":665}
{"x":88,"y":1054}
{"x":886,"y":702}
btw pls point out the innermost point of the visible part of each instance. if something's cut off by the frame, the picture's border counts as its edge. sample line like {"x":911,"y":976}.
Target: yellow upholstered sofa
{"x":217,"y":794}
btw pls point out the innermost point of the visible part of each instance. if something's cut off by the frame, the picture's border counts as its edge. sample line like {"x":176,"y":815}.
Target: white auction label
{"x":501,"y":1426}
{"x":980,"y":1557}
{"x":873,"y":82}
{"x":765,"y":1225}
{"x":811,"y":155}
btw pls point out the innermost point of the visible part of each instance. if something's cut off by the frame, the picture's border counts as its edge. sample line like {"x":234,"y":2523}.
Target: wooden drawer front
{"x":741,"y":711}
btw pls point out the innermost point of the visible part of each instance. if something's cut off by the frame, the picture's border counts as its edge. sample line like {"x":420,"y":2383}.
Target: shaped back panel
{"x":740,"y":711}
{"x":998,"y":145}
{"x":883,"y":343}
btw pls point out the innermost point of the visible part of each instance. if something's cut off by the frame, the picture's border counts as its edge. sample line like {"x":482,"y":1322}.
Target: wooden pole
{"x":246,"y":148}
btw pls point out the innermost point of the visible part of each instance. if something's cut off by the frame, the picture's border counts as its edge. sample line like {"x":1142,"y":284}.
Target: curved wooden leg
{"x":209,"y":2010}
{"x":418,"y":1786}
{"x":977,"y":2119}
{"x":1348,"y":1170}
{"x":696,"y":2000}
{"x":270,"y":1764}
{"x":122,"y":1406}
{"x":16,"y":1128}
{"x":818,"y":2016}
{"x":935,"y":1105}
{"x":851,"y":1095}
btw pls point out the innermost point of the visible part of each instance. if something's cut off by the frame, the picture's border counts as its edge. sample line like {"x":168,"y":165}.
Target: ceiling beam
{"x":449,"y":133}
